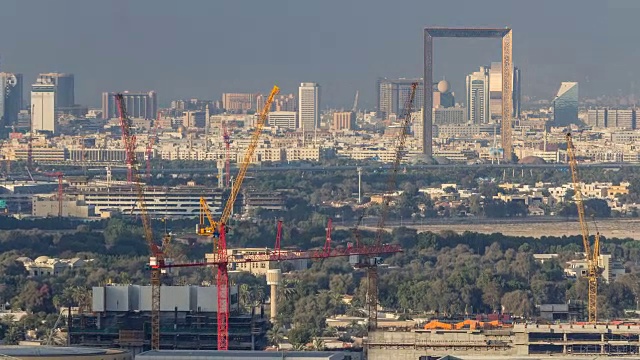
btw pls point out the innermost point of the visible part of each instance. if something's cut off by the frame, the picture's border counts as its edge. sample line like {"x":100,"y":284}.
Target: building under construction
{"x":471,"y":339}
{"x":121,"y":318}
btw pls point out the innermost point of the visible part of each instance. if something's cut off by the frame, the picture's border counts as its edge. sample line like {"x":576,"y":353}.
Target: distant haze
{"x":201,"y":48}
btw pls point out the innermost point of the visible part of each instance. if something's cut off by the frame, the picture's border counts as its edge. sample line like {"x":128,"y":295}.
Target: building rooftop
{"x":229,"y":355}
{"x":38,"y":351}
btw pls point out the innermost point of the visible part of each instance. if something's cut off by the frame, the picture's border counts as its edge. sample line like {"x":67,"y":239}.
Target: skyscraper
{"x":10,"y":98}
{"x":392,"y":95}
{"x":64,"y":88}
{"x":517,"y":93}
{"x":309,"y":106}
{"x":43,"y":106}
{"x":565,"y":105}
{"x":139,"y":105}
{"x":478,"y":96}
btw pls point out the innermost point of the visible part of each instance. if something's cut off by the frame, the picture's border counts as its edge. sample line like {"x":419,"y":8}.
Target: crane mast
{"x":592,"y":256}
{"x":371,"y":263}
{"x":220,"y":249}
{"x":157,"y":257}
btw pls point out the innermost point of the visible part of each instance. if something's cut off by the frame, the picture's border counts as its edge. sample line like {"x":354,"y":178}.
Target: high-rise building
{"x":43,"y":106}
{"x":238,"y":102}
{"x":10,"y":98}
{"x":392,"y":95}
{"x":344,"y":120}
{"x":283,"y":119}
{"x":478,"y":96}
{"x":495,"y":89}
{"x":442,"y":95}
{"x":139,"y":105}
{"x":597,"y":118}
{"x":565,"y":105}
{"x":309,"y":106}
{"x":64,"y":88}
{"x":517,"y":93}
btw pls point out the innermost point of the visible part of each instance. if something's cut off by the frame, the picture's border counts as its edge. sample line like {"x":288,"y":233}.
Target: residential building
{"x":138,"y":104}
{"x":449,"y":115}
{"x":283,"y":119}
{"x":194,"y":119}
{"x":597,"y":118}
{"x":478,"y":106}
{"x":565,"y":105}
{"x":621,"y":119}
{"x":309,"y":107}
{"x":43,"y":104}
{"x":10,"y":98}
{"x":238,"y":102}
{"x":343,"y":120}
{"x":46,"y":266}
{"x":611,"y":269}
{"x":64,"y":88}
{"x":392,"y":95}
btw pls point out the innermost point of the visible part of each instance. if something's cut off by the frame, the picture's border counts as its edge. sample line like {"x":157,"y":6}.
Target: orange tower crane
{"x":217,"y":228}
{"x":593,"y":270}
{"x":157,"y":258}
{"x":371,"y":263}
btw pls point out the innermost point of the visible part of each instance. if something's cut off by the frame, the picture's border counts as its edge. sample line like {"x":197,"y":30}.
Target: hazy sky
{"x":201,"y":48}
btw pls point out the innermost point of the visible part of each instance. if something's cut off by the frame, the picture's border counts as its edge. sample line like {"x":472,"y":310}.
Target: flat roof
{"x":241,"y":354}
{"x":18,"y":351}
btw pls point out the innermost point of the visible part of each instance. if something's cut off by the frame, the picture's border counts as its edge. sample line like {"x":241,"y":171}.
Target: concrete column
{"x":274,"y":279}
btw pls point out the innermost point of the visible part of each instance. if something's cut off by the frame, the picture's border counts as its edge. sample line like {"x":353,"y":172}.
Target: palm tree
{"x":81,"y":296}
{"x":299,"y":347}
{"x":318,"y":344}
{"x":288,"y":289}
{"x":257,"y":295}
{"x":244,"y":296}
{"x":275,"y":335}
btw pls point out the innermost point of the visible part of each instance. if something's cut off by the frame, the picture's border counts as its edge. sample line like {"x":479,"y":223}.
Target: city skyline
{"x":95,"y":56}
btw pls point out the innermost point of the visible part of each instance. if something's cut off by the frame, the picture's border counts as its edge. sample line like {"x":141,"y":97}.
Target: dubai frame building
{"x":507,"y":80}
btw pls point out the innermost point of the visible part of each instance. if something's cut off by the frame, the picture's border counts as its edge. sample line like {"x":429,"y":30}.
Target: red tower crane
{"x":58,"y":175}
{"x":157,"y":259}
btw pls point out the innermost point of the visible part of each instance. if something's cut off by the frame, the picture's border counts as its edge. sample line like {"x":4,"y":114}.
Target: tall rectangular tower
{"x":478,"y":111}
{"x":43,"y":106}
{"x":64,"y":88}
{"x":142,"y":105}
{"x":10,"y":98}
{"x":309,"y":107}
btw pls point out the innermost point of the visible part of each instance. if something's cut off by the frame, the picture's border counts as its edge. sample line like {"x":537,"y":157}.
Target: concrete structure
{"x":611,"y":269}
{"x":139,"y":105}
{"x":238,"y":102}
{"x":621,"y":119}
{"x":274,"y":280}
{"x":343,"y":120}
{"x":392,"y":95}
{"x":62,"y":353}
{"x":522,"y":341}
{"x":46,"y":266}
{"x":64,"y":88}
{"x":565,"y":105}
{"x":450,"y":115}
{"x":283,"y":119}
{"x":597,"y":118}
{"x":507,"y":72}
{"x":194,"y":119}
{"x":248,"y":355}
{"x":478,"y":104}
{"x":309,"y":107}
{"x":43,"y":105}
{"x":121,"y":317}
{"x":10,"y":98}
{"x":72,"y":206}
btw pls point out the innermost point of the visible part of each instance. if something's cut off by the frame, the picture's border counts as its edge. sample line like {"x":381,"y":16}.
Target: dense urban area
{"x":479,"y":222}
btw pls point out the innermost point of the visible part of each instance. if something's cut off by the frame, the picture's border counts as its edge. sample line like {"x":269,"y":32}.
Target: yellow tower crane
{"x":591,"y":254}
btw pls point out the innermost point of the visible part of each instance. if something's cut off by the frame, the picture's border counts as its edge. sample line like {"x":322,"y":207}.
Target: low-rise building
{"x":611,"y":269}
{"x":46,"y":266}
